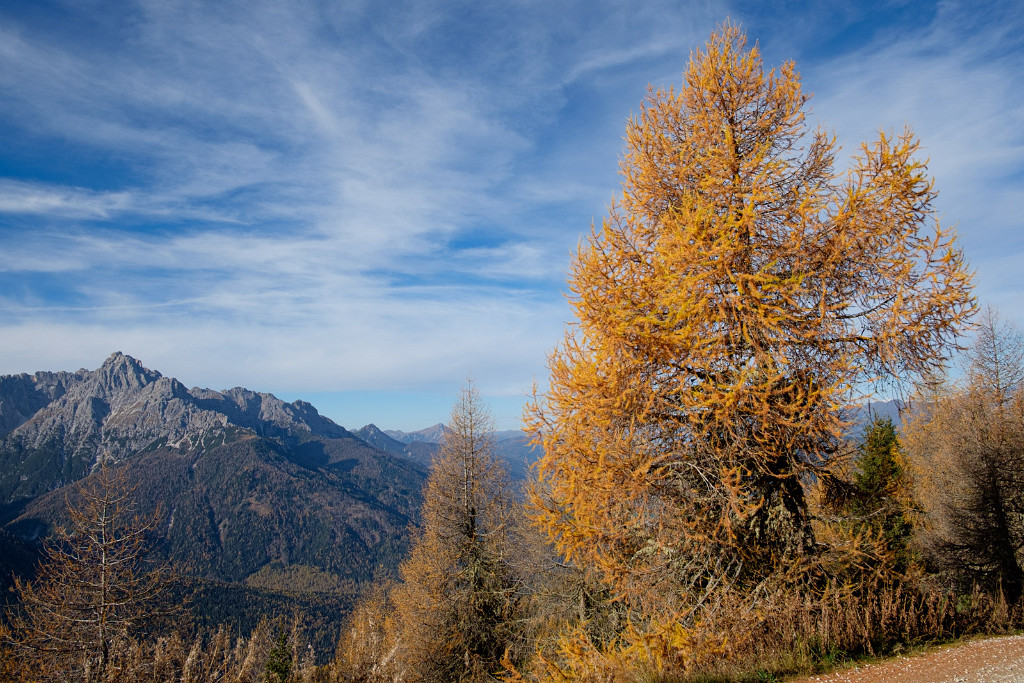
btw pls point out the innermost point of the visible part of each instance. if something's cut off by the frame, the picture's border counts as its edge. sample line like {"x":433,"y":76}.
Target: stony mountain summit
{"x":432,"y":434}
{"x":420,"y":451}
{"x":123,"y":408}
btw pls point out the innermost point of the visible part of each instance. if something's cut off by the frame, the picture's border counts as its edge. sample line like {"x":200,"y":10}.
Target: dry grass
{"x":812,"y":634}
{"x":214,"y":656}
{"x":784,"y":634}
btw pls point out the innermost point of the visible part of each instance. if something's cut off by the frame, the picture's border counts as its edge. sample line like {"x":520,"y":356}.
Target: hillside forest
{"x":706,"y":503}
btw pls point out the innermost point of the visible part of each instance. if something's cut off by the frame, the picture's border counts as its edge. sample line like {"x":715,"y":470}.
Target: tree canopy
{"x":741,"y":292}
{"x":883,"y":500}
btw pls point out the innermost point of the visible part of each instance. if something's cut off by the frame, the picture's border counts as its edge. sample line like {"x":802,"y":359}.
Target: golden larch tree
{"x":739,"y":295}
{"x":456,"y":609}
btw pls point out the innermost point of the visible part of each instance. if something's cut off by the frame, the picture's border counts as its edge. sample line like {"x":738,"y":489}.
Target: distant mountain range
{"x":433,"y":434}
{"x":512,"y":446}
{"x":419,"y":451}
{"x":249,"y":492}
{"x":248,"y":489}
{"x":861,"y":416}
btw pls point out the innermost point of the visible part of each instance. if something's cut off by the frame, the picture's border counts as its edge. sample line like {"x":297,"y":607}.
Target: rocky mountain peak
{"x":119,"y":358}
{"x":432,"y":434}
{"x":377,"y":438}
{"x":120,"y":372}
{"x":123,"y":408}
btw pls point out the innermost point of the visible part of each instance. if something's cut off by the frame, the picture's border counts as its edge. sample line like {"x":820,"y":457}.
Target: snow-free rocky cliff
{"x":123,"y":408}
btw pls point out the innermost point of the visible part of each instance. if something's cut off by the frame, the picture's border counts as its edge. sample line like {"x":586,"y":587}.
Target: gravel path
{"x":994,"y":660}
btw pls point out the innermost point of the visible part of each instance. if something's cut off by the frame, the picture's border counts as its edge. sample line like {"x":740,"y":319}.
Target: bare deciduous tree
{"x":968,"y":445}
{"x":93,"y":591}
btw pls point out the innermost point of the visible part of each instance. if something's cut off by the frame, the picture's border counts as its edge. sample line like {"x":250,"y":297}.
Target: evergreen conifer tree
{"x":882,"y":498}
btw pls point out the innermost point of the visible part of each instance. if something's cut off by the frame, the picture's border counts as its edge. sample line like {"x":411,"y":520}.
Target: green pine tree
{"x":880,"y":480}
{"x":279,"y":665}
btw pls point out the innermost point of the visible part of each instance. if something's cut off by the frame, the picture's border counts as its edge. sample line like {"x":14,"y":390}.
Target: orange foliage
{"x":739,"y":294}
{"x":967,"y":445}
{"x":457,"y":610}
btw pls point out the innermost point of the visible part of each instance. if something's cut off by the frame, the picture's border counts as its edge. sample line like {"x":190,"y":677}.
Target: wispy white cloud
{"x":954,"y":85}
{"x":66,"y":202}
{"x":410,"y":342}
{"x":346,"y":195}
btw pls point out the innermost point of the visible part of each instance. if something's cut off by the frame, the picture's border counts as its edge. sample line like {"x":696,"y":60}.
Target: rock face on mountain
{"x":22,"y":396}
{"x":241,"y":482}
{"x":103,"y":415}
{"x":432,"y":434}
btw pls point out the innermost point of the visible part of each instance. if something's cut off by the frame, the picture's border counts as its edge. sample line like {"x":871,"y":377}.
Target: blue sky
{"x":363,"y":203}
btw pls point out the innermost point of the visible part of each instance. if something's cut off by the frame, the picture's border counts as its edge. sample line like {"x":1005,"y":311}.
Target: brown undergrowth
{"x":218,"y":655}
{"x":785,"y":634}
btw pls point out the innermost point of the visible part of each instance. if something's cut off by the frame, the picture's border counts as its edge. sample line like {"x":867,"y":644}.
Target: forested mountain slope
{"x":242,"y":483}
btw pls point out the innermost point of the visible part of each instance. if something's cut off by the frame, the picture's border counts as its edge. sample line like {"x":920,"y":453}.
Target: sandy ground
{"x":994,"y":660}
